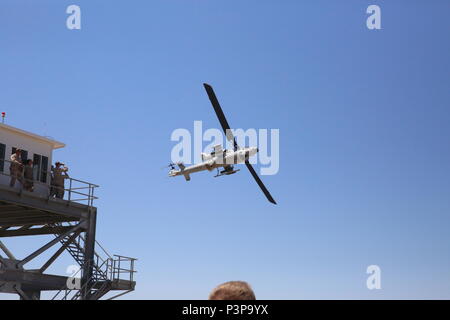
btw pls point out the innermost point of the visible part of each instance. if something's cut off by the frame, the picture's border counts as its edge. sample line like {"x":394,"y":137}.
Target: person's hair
{"x":29,"y":161}
{"x":233,"y":290}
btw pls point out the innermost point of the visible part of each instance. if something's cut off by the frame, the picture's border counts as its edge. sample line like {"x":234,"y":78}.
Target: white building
{"x":34,"y":147}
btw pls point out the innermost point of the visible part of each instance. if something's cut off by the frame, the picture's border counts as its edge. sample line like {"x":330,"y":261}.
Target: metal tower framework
{"x":72,"y":222}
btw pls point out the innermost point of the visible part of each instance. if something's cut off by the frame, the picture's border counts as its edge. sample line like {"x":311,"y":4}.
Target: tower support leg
{"x":89,"y":250}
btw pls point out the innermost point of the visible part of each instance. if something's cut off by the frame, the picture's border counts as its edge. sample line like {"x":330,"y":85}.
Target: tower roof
{"x":55,"y":144}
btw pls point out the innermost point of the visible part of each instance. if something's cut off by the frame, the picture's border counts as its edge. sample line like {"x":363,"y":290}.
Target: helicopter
{"x":222,"y":160}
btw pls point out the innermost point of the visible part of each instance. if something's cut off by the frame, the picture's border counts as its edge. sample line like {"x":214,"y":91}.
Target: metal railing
{"x":113,"y":271}
{"x":119,"y":269}
{"x":75,"y":186}
{"x":78,"y":191}
{"x":107,"y":269}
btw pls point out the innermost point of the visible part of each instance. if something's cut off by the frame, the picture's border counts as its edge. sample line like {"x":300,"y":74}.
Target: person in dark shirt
{"x":28,"y":176}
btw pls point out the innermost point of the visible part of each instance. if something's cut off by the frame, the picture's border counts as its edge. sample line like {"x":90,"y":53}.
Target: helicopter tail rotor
{"x":171,"y":166}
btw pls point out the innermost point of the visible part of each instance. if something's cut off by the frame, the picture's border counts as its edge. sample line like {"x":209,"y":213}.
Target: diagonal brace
{"x":60,"y":250}
{"x":6,"y":251}
{"x":50,"y":244}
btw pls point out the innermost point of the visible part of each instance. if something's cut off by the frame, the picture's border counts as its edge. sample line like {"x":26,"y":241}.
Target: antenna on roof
{"x":3,"y":117}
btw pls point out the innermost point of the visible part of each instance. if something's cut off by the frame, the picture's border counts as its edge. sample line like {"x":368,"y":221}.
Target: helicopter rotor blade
{"x":259,"y":182}
{"x":226,"y":128}
{"x":218,"y":109}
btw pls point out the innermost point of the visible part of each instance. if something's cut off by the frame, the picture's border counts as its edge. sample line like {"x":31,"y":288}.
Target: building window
{"x":37,"y":167}
{"x":2,"y":157}
{"x":24,"y":154}
{"x":44,"y":169}
{"x":40,"y":168}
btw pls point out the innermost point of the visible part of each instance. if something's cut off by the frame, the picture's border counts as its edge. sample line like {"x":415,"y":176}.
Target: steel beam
{"x":31,"y":281}
{"x":32,"y":201}
{"x":39,"y":221}
{"x":34,"y":231}
{"x":6,"y":251}
{"x":50,"y":244}
{"x":60,"y":250}
{"x":89,"y":252}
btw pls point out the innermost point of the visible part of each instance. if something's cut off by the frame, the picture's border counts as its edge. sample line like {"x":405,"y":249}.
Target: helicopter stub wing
{"x":218,"y":149}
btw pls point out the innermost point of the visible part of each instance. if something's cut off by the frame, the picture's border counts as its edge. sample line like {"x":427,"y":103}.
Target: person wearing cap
{"x":59,"y":174}
{"x":16,"y":167}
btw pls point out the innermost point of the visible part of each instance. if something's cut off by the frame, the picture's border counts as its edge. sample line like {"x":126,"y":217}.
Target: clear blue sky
{"x":364,"y":127}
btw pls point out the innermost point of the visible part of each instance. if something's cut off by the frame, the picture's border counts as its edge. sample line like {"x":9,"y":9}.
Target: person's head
{"x":29,"y":162}
{"x":58,"y":164}
{"x":18,"y":151}
{"x":233,"y":290}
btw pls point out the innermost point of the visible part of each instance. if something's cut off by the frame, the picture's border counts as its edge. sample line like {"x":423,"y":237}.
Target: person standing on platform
{"x":59,"y":175}
{"x":16,"y":167}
